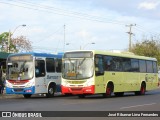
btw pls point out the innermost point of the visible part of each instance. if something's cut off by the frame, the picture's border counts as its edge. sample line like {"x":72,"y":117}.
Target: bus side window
{"x":99,"y":65}
{"x":155,"y":70}
{"x":50,"y":65}
{"x":58,"y":65}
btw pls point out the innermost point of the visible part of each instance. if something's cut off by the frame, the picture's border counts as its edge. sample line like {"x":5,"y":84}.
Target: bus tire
{"x":142,"y":90}
{"x":81,"y":96}
{"x":51,"y":91}
{"x":27,"y":95}
{"x":109,"y":90}
{"x":119,"y":94}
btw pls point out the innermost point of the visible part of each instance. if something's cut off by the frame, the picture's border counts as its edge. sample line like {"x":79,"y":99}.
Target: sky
{"x":63,"y":25}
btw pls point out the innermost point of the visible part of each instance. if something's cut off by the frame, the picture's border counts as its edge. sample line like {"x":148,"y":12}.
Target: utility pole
{"x":9,"y":40}
{"x":9,"y":37}
{"x":64,"y":39}
{"x":130,"y":35}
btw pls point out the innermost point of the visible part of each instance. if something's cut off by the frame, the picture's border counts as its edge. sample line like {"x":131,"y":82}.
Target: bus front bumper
{"x":29,"y":90}
{"x":78,"y":90}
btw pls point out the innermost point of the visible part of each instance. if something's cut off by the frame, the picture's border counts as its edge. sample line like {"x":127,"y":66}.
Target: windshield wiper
{"x":71,"y":63}
{"x":82,"y":61}
{"x":22,"y":66}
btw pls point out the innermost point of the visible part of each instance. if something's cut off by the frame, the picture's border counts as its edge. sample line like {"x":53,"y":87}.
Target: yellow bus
{"x":104,"y":72}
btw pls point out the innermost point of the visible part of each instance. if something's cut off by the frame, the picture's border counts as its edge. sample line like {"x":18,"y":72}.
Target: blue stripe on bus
{"x":31,"y":90}
{"x":59,"y":55}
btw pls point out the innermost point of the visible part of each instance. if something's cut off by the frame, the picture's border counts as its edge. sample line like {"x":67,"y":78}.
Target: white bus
{"x":33,"y":73}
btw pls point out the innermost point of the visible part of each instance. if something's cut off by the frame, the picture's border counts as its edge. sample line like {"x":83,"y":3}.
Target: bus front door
{"x":99,"y":72}
{"x":40,"y":85}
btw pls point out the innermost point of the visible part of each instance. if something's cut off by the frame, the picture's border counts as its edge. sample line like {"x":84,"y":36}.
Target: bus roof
{"x":59,"y":55}
{"x":120,"y":54}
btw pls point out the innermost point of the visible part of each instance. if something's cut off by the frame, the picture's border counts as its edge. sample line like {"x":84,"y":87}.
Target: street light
{"x":72,"y":45}
{"x":10,"y":34}
{"x":23,"y":25}
{"x":87,"y":44}
{"x":67,"y":43}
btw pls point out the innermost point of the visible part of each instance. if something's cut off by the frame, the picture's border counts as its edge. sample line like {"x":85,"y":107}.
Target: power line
{"x":46,"y":48}
{"x":58,"y":30}
{"x":66,"y":12}
{"x":142,"y":29}
{"x":51,"y":9}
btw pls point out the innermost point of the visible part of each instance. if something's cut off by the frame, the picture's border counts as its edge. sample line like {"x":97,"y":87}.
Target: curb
{"x":3,"y":96}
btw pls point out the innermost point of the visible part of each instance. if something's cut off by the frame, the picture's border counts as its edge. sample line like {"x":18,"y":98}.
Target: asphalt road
{"x":129,"y":102}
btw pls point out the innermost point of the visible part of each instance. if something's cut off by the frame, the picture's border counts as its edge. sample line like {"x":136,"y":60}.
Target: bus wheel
{"x":81,"y":96}
{"x":27,"y":95}
{"x":119,"y":94}
{"x":142,"y":90}
{"x":51,"y":90}
{"x":109,"y":91}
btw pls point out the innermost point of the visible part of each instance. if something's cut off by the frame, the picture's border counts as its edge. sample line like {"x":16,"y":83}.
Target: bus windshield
{"x":81,"y":68}
{"x":20,"y":69}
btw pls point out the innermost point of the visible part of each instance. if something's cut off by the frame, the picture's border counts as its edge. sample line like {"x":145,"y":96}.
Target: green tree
{"x":150,"y":48}
{"x":4,"y":41}
{"x":18,"y":44}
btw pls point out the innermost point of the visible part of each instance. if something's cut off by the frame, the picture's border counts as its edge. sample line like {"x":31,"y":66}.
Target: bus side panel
{"x":54,"y":78}
{"x":99,"y":84}
{"x":142,"y":78}
{"x":151,"y":81}
{"x":132,"y":81}
{"x":117,"y":78}
{"x":40,"y":86}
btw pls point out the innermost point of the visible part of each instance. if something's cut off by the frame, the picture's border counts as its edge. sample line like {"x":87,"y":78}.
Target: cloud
{"x":148,"y":5}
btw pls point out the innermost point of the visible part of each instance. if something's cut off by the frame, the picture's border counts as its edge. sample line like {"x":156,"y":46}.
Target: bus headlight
{"x":88,"y":84}
{"x":30,"y":84}
{"x":65,"y":84}
{"x":8,"y":85}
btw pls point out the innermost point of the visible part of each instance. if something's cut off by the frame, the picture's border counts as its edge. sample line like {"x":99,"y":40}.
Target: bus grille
{"x":18,"y":87}
{"x":18,"y":90}
{"x":76,"y":82}
{"x":76,"y":89}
